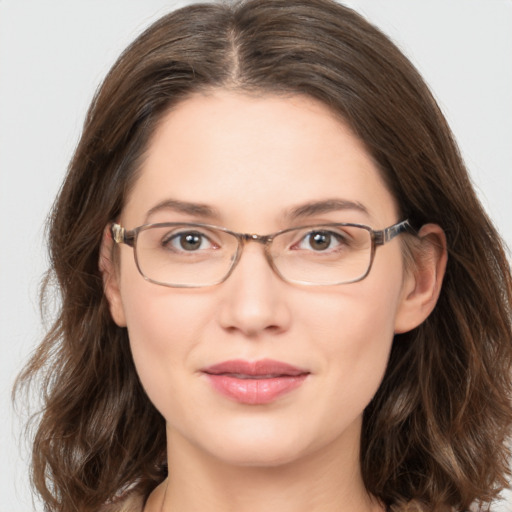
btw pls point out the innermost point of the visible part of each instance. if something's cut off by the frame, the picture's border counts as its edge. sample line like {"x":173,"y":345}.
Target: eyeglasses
{"x":189,"y":255}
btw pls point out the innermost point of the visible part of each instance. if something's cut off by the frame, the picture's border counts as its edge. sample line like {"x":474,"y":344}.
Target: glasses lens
{"x":193,"y":255}
{"x":323,"y":255}
{"x":184,"y":254}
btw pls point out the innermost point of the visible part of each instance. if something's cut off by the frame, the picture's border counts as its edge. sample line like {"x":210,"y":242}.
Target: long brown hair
{"x":435,"y":433}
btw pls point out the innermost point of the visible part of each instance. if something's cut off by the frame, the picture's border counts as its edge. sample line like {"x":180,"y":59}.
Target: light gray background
{"x":53,"y":55}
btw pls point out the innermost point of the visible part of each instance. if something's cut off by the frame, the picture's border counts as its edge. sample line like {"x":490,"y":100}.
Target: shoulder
{"x":416,"y":506}
{"x":130,"y":503}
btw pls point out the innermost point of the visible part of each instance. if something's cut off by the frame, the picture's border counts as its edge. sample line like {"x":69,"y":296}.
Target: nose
{"x":254,"y":297}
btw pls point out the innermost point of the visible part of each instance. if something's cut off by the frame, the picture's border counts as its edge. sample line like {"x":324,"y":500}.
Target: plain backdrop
{"x":53,"y":55}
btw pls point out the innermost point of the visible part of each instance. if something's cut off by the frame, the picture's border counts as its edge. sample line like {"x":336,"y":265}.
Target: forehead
{"x":253,"y":158}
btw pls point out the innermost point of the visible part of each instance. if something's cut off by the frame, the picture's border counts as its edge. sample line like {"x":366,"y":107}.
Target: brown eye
{"x":319,"y":241}
{"x":322,"y":240}
{"x":190,"y":241}
{"x":187,"y":241}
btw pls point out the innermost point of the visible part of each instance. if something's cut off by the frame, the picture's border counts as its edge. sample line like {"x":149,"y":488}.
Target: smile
{"x":254,"y":383}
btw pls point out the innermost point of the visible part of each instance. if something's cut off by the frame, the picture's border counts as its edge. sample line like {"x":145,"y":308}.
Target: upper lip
{"x":260,"y":368}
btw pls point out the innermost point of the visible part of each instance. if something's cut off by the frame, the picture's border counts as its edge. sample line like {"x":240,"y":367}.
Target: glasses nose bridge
{"x":253,"y":237}
{"x":244,"y":238}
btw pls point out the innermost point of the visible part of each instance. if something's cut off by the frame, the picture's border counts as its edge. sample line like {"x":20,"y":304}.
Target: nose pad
{"x":254,"y":297}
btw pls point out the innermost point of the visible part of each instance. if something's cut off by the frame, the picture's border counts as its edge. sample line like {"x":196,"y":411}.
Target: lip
{"x":254,"y":382}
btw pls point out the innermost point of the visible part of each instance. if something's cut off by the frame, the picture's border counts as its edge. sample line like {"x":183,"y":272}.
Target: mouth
{"x":255,"y":383}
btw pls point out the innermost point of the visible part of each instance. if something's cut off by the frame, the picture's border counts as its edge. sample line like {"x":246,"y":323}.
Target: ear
{"x":423,"y":280}
{"x":111,"y":279}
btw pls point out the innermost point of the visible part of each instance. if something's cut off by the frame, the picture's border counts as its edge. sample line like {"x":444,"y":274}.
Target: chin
{"x":258,"y":447}
{"x":258,"y":456}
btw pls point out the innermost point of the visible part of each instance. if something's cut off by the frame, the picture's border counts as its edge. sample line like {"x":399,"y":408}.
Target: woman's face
{"x":251,"y":161}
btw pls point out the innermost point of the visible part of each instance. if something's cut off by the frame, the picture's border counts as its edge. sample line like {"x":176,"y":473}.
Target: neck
{"x":328,"y":480}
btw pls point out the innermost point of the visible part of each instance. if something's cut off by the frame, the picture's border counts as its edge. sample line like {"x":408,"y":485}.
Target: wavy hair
{"x":435,"y":435}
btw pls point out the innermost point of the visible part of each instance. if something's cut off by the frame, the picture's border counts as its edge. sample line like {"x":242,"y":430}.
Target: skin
{"x":252,"y":159}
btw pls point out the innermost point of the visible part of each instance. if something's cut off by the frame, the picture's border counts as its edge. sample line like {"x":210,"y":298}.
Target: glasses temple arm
{"x":387,"y":234}
{"x":121,"y":236}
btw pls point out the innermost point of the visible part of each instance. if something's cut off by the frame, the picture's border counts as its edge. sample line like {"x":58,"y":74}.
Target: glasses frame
{"x":378,"y":237}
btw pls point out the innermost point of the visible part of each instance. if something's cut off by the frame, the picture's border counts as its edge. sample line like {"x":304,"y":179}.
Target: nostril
{"x":254,"y":332}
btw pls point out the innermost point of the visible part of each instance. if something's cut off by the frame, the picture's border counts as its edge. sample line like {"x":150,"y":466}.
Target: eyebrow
{"x":194,"y":209}
{"x":298,"y":212}
{"x":325,"y":206}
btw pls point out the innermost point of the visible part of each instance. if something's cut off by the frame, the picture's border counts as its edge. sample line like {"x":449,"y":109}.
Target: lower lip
{"x":255,"y":391}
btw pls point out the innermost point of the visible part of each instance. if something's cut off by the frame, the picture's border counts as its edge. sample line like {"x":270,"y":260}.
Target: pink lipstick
{"x":254,"y":383}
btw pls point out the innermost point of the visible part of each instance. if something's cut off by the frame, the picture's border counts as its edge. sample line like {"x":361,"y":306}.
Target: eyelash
{"x":180,"y":237}
{"x":332,"y":236}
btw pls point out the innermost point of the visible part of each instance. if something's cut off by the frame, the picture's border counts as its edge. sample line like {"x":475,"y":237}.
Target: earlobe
{"x":110,"y":279}
{"x":422,"y":284}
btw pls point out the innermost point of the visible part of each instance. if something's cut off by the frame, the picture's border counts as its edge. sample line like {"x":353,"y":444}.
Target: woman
{"x":278,"y":287}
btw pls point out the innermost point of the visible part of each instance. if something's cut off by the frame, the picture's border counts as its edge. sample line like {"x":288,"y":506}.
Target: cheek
{"x":164,"y":331}
{"x":354,"y":326}
{"x":358,"y":342}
